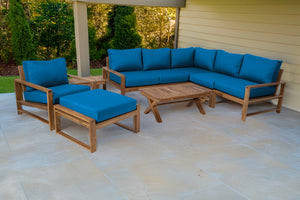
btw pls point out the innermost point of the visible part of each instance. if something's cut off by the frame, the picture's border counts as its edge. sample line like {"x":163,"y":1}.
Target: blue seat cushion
{"x":125,"y":60}
{"x":191,"y":70}
{"x":236,"y":87}
{"x":228,"y":63}
{"x":58,"y":91}
{"x":206,"y":78}
{"x":182,"y":57}
{"x":99,"y":104}
{"x":259,"y":69}
{"x":156,"y":58}
{"x":46,"y":73}
{"x":204,"y":58}
{"x":172,"y":76}
{"x":137,"y":78}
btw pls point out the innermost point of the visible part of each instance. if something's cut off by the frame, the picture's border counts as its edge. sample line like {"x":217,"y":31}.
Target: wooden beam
{"x":156,"y":3}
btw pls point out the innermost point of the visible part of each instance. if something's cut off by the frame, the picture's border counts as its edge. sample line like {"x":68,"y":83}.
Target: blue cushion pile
{"x":51,"y":74}
{"x":215,"y":69}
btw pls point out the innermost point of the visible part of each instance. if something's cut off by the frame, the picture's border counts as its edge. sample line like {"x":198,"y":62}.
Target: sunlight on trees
{"x":48,"y":28}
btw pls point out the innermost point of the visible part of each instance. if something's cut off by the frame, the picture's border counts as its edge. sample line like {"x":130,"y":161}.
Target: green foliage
{"x":5,"y":35}
{"x":105,"y":41}
{"x":156,"y":25}
{"x":125,"y":33}
{"x":53,"y":27}
{"x":21,"y":37}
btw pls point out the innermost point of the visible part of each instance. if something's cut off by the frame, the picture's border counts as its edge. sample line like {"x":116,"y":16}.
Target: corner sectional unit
{"x":244,"y":79}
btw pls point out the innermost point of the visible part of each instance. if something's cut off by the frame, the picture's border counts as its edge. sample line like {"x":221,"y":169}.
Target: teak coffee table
{"x":168,"y":94}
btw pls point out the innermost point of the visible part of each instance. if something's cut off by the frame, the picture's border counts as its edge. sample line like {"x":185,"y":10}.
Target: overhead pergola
{"x":81,"y":25}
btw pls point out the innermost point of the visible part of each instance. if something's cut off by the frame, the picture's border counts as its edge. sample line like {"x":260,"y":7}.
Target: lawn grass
{"x":7,"y":82}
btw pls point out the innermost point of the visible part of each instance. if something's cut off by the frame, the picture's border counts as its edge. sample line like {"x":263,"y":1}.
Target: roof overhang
{"x":156,"y":3}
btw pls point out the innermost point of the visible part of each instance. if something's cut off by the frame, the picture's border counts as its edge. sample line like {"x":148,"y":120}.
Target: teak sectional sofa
{"x":244,"y":79}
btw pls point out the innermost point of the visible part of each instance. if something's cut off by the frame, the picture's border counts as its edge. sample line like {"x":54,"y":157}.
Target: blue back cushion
{"x":228,"y":63}
{"x":46,"y":73}
{"x":259,"y":69}
{"x":183,"y":57}
{"x":125,"y":60}
{"x":156,"y":58}
{"x":204,"y":58}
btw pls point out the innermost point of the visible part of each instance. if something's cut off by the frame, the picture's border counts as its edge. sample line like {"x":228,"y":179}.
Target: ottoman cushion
{"x":99,"y":104}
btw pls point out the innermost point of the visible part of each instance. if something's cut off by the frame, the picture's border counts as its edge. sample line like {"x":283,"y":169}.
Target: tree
{"x":5,"y":34}
{"x":54,"y":27}
{"x":156,"y":25}
{"x":125,"y":32}
{"x":21,"y":37}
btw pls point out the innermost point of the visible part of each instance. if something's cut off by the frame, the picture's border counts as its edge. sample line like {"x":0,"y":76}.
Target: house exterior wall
{"x":268,"y":28}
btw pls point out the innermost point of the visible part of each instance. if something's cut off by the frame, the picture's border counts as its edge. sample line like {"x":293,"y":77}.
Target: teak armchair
{"x":42,"y":96}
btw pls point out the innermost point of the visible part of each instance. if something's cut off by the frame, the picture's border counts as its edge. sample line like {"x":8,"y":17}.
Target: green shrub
{"x":21,"y":37}
{"x":125,"y":31}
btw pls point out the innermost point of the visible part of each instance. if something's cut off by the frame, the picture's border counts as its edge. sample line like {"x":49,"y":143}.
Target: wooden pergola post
{"x":81,"y":38}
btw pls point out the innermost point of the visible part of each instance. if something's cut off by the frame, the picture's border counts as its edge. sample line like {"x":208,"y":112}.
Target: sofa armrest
{"x":249,"y":87}
{"x":266,"y":85}
{"x":107,"y":70}
{"x":37,"y":87}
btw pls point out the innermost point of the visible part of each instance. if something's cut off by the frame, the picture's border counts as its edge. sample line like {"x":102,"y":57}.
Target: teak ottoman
{"x":95,"y":109}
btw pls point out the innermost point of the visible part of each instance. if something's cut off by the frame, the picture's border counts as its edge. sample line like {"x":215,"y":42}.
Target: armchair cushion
{"x":125,"y":60}
{"x":99,"y":104}
{"x":204,"y":58}
{"x":228,"y":63}
{"x":156,"y":58}
{"x":58,"y":91}
{"x":259,"y":69}
{"x":236,"y":87}
{"x":182,"y":57}
{"x":46,"y":73}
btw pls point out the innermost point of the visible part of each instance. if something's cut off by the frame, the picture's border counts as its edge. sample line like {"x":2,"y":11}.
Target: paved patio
{"x":188,"y":156}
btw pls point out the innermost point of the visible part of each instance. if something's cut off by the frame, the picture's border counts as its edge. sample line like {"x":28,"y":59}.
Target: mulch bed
{"x":11,"y":68}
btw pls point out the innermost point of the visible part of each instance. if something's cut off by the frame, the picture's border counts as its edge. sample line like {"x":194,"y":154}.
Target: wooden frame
{"x":20,"y":87}
{"x":61,"y":111}
{"x":247,"y":100}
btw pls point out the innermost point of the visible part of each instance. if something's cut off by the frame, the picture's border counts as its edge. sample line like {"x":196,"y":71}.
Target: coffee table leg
{"x":153,"y":107}
{"x":199,"y":105}
{"x":149,"y":107}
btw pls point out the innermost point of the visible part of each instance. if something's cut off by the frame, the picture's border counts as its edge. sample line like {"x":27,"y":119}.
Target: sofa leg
{"x":280,"y":100}
{"x":244,"y":111}
{"x":212,"y":100}
{"x":123,"y":92}
{"x":246,"y":103}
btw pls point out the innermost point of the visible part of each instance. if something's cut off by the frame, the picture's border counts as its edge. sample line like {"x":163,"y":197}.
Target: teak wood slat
{"x":61,"y":111}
